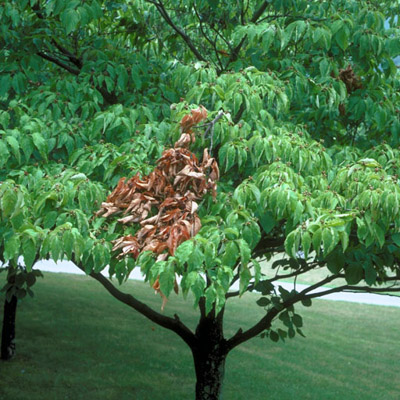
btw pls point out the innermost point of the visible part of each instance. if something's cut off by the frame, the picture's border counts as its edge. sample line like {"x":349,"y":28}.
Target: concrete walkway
{"x":365,"y":298}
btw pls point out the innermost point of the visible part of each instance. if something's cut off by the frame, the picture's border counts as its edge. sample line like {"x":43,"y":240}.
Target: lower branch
{"x":266,"y":321}
{"x":173,"y":324}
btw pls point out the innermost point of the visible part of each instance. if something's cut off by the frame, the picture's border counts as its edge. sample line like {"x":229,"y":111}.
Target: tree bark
{"x":210,"y":371}
{"x":8,"y":333}
{"x":209,"y":356}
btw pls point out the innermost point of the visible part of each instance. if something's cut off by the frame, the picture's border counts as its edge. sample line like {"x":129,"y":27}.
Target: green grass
{"x":74,"y":341}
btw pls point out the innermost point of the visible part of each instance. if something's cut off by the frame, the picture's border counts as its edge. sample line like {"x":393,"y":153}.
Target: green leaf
{"x":306,"y":243}
{"x":328,"y":240}
{"x":306,"y":302}
{"x":265,"y":287}
{"x":231,"y":254}
{"x":14,"y":144}
{"x":11,"y":247}
{"x":40,"y":144}
{"x":30,"y":279}
{"x":297,"y":320}
{"x":4,"y":153}
{"x":55,"y":247}
{"x":135,"y":73}
{"x":335,"y":262}
{"x":195,"y":260}
{"x":8,"y":202}
{"x":396,"y":239}
{"x":20,"y":293}
{"x":167,"y":279}
{"x":274,"y":336}
{"x":184,"y":250}
{"x":263,"y":301}
{"x":70,"y":19}
{"x":122,"y":79}
{"x":211,"y":296}
{"x":29,"y":253}
{"x":245,"y":276}
{"x":267,"y":221}
{"x":50,"y":219}
{"x":5,"y":84}
{"x":245,"y":252}
{"x":99,"y":257}
{"x":292,"y":243}
{"x":324,"y":67}
{"x":316,"y":240}
{"x":354,"y":274}
{"x":230,"y":157}
{"x":342,"y":37}
{"x":370,"y":273}
{"x":380,"y":235}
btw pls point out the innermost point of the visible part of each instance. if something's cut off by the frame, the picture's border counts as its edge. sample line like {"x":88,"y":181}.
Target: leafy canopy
{"x":307,"y":139}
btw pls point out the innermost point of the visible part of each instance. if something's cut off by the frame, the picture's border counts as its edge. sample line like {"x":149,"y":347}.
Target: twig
{"x":211,"y":127}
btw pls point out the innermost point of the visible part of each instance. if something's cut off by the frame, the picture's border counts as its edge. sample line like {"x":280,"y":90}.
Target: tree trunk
{"x":8,"y":333}
{"x":210,"y":371}
{"x":209,"y":356}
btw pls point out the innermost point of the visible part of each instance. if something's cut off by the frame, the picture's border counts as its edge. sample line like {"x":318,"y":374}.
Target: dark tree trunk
{"x":210,"y":371}
{"x":209,"y":356}
{"x":8,"y":333}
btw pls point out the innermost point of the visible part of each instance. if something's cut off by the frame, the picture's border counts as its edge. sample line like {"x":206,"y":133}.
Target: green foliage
{"x":308,"y":144}
{"x":19,"y":282}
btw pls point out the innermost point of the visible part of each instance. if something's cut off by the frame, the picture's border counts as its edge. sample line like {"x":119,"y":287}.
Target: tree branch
{"x":71,"y":57}
{"x":235,"y":53}
{"x":173,"y":324}
{"x":161,"y":9}
{"x":265,"y":244}
{"x":266,"y":321}
{"x":259,"y":12}
{"x":56,"y":61}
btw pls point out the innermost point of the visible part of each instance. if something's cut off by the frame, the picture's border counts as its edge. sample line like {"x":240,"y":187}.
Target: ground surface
{"x":77,"y":342}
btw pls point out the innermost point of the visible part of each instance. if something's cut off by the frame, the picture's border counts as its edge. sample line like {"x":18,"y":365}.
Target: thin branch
{"x":295,"y":273}
{"x":161,"y":9}
{"x":213,"y":43}
{"x":235,"y":53}
{"x":326,"y":292}
{"x":368,"y":289}
{"x":210,"y":127}
{"x":173,"y":324}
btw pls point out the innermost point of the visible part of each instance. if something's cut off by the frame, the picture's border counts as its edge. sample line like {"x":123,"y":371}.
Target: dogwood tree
{"x":194,"y":140}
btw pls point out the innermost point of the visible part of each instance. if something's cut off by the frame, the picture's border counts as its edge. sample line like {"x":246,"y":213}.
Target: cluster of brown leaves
{"x":350,"y":79}
{"x":164,"y":203}
{"x":352,"y":82}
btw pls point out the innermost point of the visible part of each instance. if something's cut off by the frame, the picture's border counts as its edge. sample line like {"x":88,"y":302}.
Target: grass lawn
{"x":74,"y":341}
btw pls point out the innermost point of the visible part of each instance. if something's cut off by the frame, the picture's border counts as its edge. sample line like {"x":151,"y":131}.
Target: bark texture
{"x":209,"y":355}
{"x":8,"y":332}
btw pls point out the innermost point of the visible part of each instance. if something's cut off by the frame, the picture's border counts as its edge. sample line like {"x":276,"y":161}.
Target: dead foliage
{"x":165,"y":202}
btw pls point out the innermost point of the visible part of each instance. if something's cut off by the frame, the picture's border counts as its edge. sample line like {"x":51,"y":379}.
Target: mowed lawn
{"x":74,"y":341}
